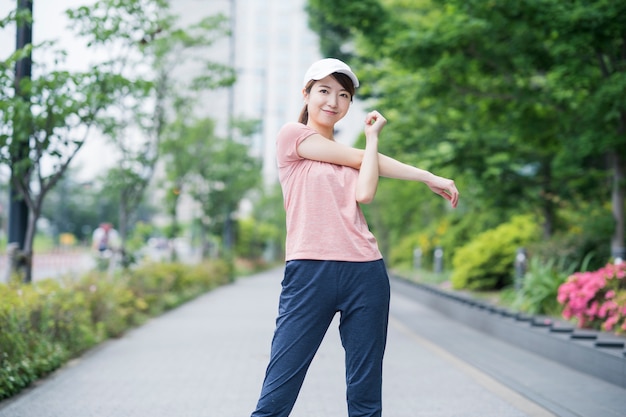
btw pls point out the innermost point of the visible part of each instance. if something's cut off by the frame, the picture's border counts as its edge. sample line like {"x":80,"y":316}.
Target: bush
{"x":486,"y":262}
{"x":163,"y":286}
{"x":583,"y":233}
{"x":597,"y":299}
{"x":253,"y":237}
{"x":401,"y":255}
{"x":540,"y":286}
{"x":44,"y":324}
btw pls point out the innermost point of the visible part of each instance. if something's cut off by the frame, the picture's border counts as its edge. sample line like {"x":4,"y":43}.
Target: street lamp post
{"x":18,"y":210}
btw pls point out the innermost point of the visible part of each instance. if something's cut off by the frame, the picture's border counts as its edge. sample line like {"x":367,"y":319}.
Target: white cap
{"x":327,"y":66}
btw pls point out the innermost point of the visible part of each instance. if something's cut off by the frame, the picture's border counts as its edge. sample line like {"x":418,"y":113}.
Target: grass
{"x":424,"y":276}
{"x":504,"y":298}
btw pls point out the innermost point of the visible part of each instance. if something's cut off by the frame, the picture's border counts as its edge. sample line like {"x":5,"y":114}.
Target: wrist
{"x":426,"y":177}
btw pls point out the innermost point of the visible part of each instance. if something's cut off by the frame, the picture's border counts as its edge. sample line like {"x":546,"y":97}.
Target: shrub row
{"x":44,"y":324}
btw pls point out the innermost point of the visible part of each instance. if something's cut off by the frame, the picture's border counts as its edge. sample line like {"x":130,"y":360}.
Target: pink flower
{"x":610,"y":322}
{"x":591,"y":311}
{"x":567,"y":313}
{"x":593,"y":296}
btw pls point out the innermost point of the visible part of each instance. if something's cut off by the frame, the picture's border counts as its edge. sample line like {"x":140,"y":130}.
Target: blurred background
{"x":159,"y":118}
{"x":266,"y":45}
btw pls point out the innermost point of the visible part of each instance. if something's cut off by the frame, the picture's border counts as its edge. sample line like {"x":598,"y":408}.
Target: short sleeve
{"x":289,"y":138}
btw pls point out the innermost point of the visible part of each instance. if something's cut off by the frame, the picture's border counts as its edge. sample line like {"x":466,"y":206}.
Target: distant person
{"x":333,"y":263}
{"x":105,"y":238}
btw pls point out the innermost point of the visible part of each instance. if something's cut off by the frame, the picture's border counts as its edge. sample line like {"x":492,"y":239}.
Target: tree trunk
{"x":173,"y":233}
{"x":618,"y":252}
{"x":547,"y":203}
{"x":26,"y":256}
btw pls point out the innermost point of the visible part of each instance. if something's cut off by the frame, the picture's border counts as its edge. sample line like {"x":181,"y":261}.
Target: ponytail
{"x":304,"y":115}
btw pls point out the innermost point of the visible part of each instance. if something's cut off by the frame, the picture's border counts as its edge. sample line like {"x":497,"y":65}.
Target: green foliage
{"x":23,"y":315}
{"x":217,"y":172}
{"x":582,"y":235}
{"x":163,"y":286}
{"x":253,"y":237}
{"x":486,"y":262}
{"x":449,"y":231}
{"x":140,"y":235}
{"x":364,"y":15}
{"x":44,"y":324}
{"x":427,"y":241}
{"x":540,"y":286}
{"x":519,"y":101}
{"x":269,"y":210}
{"x":402,"y":254}
{"x":161,"y":46}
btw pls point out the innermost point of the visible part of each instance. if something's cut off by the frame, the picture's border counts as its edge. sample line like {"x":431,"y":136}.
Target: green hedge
{"x":487,"y":261}
{"x":44,"y":324}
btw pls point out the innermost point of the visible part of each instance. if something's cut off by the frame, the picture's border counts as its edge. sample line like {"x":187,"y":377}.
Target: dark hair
{"x":342,"y":79}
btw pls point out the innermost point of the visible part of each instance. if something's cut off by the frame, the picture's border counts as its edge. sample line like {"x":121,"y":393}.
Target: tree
{"x":152,"y":47}
{"x":47,"y":125}
{"x":521,"y":97}
{"x":73,"y":206}
{"x":222,"y":172}
{"x":269,"y":213}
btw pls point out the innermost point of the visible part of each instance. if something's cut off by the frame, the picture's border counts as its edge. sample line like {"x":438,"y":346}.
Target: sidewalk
{"x":207,"y":359}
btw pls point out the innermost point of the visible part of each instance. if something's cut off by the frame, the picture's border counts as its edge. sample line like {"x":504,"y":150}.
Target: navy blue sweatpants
{"x":312,"y":293}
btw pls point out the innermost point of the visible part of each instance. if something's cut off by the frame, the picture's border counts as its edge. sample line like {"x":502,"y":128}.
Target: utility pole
{"x":18,"y":210}
{"x":228,"y":223}
{"x":231,"y":62}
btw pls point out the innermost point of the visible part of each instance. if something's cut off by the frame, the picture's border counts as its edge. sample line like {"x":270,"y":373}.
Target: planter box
{"x":600,"y":354}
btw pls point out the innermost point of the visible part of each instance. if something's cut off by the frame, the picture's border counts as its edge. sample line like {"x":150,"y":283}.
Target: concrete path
{"x":207,"y":359}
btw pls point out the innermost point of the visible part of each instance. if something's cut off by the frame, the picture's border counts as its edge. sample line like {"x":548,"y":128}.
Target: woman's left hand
{"x":446,"y":188}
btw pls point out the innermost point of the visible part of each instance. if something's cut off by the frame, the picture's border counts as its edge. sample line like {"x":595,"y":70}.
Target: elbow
{"x":365,"y":197}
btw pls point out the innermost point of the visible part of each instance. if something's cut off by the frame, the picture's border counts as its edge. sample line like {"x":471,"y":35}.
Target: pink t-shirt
{"x":324,"y":220}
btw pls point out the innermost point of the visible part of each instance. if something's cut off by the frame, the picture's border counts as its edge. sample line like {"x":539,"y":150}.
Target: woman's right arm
{"x":318,"y":148}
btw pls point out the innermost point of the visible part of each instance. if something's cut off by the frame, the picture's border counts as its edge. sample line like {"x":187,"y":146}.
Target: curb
{"x":596,"y":353}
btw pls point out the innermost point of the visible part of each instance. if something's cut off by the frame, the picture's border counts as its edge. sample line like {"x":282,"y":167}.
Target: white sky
{"x":50,"y":24}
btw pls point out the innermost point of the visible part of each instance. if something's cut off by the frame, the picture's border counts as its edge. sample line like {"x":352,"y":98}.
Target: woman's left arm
{"x":391,"y":168}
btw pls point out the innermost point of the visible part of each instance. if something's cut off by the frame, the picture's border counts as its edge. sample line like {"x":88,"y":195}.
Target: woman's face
{"x":328,"y":102}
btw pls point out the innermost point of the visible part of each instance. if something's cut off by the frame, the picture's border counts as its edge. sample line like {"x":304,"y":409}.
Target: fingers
{"x":373,"y":117}
{"x":449,"y":192}
{"x":452,"y":194}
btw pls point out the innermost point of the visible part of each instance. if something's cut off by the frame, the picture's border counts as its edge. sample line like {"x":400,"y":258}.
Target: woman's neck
{"x":326,"y":131}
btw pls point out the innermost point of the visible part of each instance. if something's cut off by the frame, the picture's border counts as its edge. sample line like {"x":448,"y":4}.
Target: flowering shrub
{"x":597,"y":299}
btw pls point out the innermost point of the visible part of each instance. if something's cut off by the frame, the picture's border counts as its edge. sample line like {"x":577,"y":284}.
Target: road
{"x":54,"y":264}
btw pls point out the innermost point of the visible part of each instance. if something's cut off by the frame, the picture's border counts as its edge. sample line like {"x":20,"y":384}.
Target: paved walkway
{"x":207,"y":359}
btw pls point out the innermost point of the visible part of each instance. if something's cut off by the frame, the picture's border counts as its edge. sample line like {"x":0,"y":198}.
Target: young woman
{"x":333,"y":263}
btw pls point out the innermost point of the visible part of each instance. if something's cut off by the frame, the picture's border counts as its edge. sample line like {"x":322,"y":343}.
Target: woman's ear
{"x":305,"y":96}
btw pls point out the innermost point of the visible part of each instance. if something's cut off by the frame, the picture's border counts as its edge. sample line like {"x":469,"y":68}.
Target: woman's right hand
{"x":374,"y":123}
